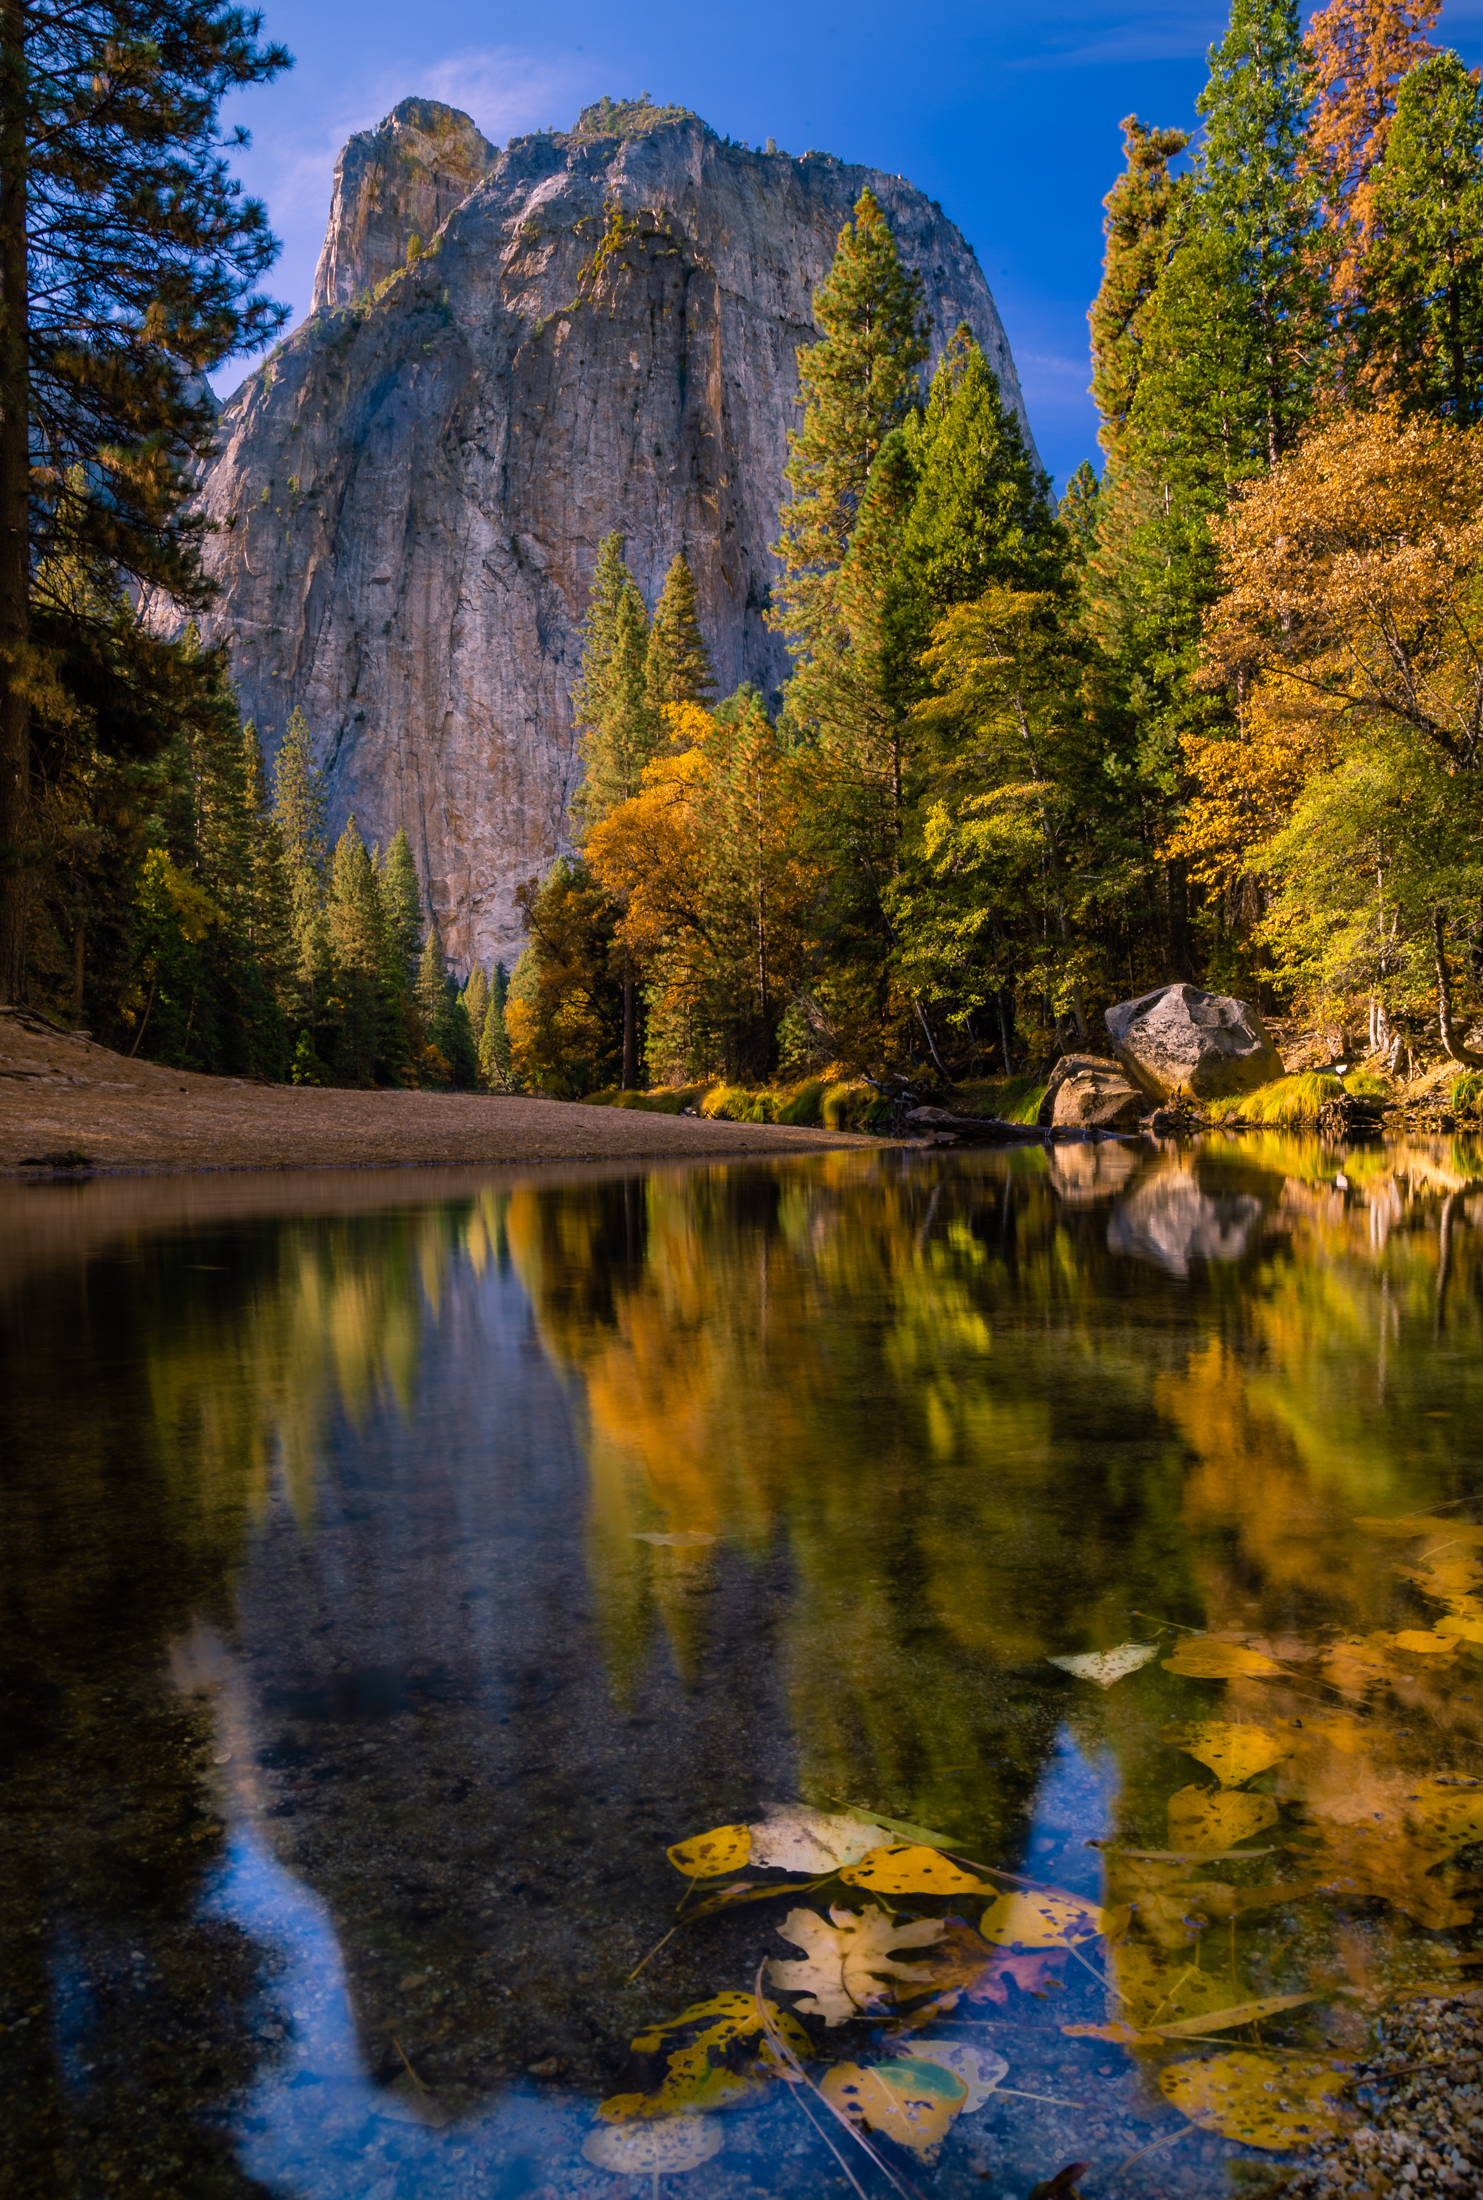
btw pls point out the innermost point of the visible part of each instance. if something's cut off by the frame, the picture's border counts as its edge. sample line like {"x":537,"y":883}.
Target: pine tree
{"x":857,"y":384}
{"x":401,"y":894}
{"x":494,"y":1039}
{"x":610,"y":579}
{"x":1421,"y":317}
{"x":355,"y":926}
{"x":981,"y":511}
{"x":1139,"y":226}
{"x":1361,"y":51}
{"x":128,"y":262}
{"x":677,"y":668}
{"x":476,"y":997}
{"x":622,"y":735}
{"x":299,"y":804}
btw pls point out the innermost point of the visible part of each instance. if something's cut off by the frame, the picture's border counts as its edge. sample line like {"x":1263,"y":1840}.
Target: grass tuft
{"x":1290,"y":1103}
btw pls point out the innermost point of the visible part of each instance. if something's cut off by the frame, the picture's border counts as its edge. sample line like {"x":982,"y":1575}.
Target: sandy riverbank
{"x":64,"y":1095}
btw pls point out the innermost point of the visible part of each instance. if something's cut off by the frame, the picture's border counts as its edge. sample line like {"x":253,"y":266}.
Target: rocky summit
{"x":510,"y":354}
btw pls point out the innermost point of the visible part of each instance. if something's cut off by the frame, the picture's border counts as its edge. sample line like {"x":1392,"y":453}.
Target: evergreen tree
{"x":494,"y":1039}
{"x":356,"y":932}
{"x":857,"y":384}
{"x":1421,"y":318}
{"x":401,"y":896}
{"x":128,"y":261}
{"x":610,"y":579}
{"x":1361,"y":51}
{"x":623,"y":734}
{"x":677,"y":668}
{"x":476,"y":998}
{"x":1139,"y":226}
{"x":299,"y":803}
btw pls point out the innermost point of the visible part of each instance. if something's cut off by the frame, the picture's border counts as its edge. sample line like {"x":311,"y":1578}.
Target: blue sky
{"x":1007,"y":113}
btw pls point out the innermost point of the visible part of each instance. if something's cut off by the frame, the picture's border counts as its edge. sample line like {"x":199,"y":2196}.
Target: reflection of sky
{"x":314,"y":2122}
{"x":1074,"y":1804}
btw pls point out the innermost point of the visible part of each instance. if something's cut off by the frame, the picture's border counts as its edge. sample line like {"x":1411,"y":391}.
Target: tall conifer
{"x":355,"y":925}
{"x":677,"y":667}
{"x":1138,"y":224}
{"x":299,"y":805}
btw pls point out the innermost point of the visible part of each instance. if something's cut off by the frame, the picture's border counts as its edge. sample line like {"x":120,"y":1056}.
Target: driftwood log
{"x":983,"y":1130}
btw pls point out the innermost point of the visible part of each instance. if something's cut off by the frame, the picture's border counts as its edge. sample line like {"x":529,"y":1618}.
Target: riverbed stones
{"x":1180,"y":1038}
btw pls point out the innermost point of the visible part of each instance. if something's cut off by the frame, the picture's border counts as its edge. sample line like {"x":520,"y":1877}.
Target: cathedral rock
{"x":509,"y":354}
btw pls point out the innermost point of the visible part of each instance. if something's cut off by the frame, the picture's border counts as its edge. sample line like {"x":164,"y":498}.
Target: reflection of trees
{"x":981,"y":1430}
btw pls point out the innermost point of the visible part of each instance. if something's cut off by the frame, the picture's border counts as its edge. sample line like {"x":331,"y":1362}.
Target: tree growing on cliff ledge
{"x":128,"y":260}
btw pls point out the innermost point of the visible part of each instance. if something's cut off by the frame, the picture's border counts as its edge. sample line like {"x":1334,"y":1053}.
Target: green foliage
{"x":1420,"y":319}
{"x":1291,"y":1103}
{"x":1466,"y":1096}
{"x":677,"y":663}
{"x":619,"y":726}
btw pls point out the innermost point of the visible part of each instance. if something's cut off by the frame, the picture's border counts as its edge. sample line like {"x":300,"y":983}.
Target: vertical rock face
{"x":399,"y":181}
{"x":411,"y":493}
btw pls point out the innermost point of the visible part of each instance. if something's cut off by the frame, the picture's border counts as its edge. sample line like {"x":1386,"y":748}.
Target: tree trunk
{"x":15,"y":575}
{"x":630,"y":1036}
{"x":1451,"y":1044}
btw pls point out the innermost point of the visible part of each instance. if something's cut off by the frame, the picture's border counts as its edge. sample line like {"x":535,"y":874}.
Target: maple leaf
{"x":848,"y":1962}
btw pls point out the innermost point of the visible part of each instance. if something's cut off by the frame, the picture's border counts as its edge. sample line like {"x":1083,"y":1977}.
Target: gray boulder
{"x":1097,"y":1096}
{"x":1206,"y":1043}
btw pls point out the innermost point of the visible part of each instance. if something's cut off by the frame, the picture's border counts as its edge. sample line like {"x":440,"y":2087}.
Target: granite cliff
{"x":509,"y":354}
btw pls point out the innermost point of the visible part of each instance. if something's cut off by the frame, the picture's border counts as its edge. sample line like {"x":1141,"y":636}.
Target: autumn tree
{"x":1361,"y":51}
{"x":128,"y":260}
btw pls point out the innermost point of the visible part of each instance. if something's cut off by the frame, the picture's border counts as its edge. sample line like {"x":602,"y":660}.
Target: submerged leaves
{"x":1203,"y":1658}
{"x":663,"y":2149}
{"x":908,"y":1868}
{"x":912,"y":2102}
{"x":1256,"y":2099}
{"x":848,"y":1967}
{"x":1217,"y":1818}
{"x":1233,"y":1753}
{"x":1106,"y":1666}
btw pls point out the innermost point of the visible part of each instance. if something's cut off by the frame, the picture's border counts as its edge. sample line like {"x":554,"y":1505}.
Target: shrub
{"x":1467,"y":1093}
{"x":802,"y":1105}
{"x":1290,"y":1103}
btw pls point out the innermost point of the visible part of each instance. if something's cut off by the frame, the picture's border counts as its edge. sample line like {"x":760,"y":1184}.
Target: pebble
{"x":1421,"y":2132}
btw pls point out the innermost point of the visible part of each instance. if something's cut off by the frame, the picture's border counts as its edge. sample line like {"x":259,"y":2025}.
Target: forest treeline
{"x":1214,"y":715}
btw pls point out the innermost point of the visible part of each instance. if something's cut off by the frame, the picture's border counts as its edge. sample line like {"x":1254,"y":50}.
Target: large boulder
{"x":1097,"y":1096}
{"x":1205,"y":1043}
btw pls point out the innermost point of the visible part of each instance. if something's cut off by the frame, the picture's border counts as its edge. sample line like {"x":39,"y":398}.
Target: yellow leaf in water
{"x":1421,"y":1644}
{"x":907,"y":1868}
{"x":1040,"y":1921}
{"x":1217,"y":1818}
{"x":1154,"y":1988}
{"x":978,"y":2068}
{"x":848,"y":1966}
{"x":911,"y":2102}
{"x":1453,"y":1808}
{"x":706,"y":1855}
{"x":1233,"y":1753}
{"x":718,"y":2052}
{"x":1465,"y":1621}
{"x":1257,"y":2100}
{"x":662,"y":2148}
{"x":1202,"y":1658}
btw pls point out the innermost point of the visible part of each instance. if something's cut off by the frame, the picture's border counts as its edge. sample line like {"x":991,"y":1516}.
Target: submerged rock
{"x":1206,"y":1043}
{"x":410,"y":494}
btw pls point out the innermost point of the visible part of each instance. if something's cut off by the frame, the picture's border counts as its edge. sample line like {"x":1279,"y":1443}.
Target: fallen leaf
{"x":665,"y":2148}
{"x":912,"y":2102}
{"x":1424,"y":1643}
{"x":1217,"y":1818}
{"x":1036,"y":1973}
{"x":1466,"y":1626}
{"x":847,"y":1960}
{"x":1233,"y":1753}
{"x":1241,"y":2012}
{"x":1106,"y":1666}
{"x":707,"y":1855}
{"x":679,"y":1539}
{"x":717,"y":2052}
{"x":813,"y":1841}
{"x":1257,"y":2100}
{"x":908,"y":1868}
{"x":978,"y":2068}
{"x":1040,"y":1920}
{"x":1202,"y":1658}
{"x":1156,"y":1988}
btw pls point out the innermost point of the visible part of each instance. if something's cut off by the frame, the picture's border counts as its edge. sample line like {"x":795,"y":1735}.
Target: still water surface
{"x":348,"y":1709}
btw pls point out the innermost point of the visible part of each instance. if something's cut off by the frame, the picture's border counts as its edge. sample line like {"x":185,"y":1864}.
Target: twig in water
{"x":786,"y":2055}
{"x":411,"y":2073}
{"x":1053,"y":2098}
{"x":633,"y":1974}
{"x":1153,"y":2147}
